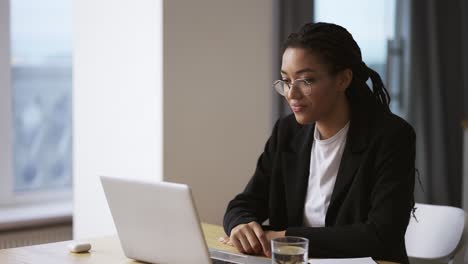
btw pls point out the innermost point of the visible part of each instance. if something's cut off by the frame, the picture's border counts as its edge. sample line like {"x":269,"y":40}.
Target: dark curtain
{"x":437,"y":92}
{"x":289,"y":15}
{"x":438,"y":96}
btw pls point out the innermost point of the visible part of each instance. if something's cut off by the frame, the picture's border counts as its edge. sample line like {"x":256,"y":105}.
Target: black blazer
{"x":372,"y":199}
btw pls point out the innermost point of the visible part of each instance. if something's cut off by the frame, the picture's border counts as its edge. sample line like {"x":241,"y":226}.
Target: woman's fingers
{"x":252,"y":239}
{"x":263,"y":240}
{"x":226,"y":240}
{"x":247,"y":248}
{"x":239,"y":240}
{"x":237,"y":244}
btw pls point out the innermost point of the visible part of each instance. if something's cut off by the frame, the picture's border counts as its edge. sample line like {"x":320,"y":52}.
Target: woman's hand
{"x":251,"y":239}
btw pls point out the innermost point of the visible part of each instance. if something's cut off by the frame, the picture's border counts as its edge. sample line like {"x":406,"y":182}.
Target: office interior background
{"x":180,"y":91}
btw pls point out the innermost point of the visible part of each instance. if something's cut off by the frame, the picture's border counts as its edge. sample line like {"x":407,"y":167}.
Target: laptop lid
{"x":156,"y":221}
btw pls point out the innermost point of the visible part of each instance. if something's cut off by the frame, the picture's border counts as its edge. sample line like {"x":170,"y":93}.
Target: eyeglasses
{"x":283,"y":87}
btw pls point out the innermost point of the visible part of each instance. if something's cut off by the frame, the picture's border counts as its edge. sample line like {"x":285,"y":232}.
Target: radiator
{"x":34,"y":236}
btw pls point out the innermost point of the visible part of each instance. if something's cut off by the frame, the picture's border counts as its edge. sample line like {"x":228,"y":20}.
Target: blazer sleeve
{"x":382,"y":234}
{"x":252,"y":203}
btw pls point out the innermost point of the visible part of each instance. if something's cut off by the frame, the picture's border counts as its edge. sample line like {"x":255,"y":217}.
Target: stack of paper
{"x":343,"y":261}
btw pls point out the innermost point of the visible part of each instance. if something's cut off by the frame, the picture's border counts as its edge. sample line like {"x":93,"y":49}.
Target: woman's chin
{"x":303,"y":119}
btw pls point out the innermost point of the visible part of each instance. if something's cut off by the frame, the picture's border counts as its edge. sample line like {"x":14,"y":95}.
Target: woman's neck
{"x":335,"y":121}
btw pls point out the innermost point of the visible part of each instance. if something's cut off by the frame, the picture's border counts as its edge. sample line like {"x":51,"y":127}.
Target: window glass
{"x":372,"y":24}
{"x":41,"y":64}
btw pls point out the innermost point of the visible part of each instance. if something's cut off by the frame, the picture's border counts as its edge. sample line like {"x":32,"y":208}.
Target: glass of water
{"x":289,"y":250}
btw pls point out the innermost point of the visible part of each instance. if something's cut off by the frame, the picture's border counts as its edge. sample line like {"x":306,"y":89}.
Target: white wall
{"x":117,"y":102}
{"x":217,"y":98}
{"x":6,"y":115}
{"x":217,"y":95}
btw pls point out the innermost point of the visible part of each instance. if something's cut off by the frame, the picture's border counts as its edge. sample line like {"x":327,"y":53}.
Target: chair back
{"x":437,"y":232}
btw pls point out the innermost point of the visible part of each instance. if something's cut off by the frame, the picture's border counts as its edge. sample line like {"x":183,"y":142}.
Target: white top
{"x":325,"y":161}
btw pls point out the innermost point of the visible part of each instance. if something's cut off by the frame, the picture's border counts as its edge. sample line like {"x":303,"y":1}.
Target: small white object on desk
{"x":79,"y":247}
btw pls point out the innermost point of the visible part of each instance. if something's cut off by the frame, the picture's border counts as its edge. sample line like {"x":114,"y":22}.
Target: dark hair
{"x":337,"y":49}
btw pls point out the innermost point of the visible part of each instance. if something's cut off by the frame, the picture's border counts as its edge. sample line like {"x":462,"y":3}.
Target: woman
{"x":340,"y":169}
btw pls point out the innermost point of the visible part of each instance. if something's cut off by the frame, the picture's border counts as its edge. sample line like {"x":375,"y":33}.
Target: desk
{"x":105,"y":250}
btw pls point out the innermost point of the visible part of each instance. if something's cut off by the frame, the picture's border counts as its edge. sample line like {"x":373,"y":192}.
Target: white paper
{"x":367,"y":260}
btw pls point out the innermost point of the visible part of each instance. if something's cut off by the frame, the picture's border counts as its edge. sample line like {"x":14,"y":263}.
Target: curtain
{"x":438,"y":95}
{"x":289,"y":15}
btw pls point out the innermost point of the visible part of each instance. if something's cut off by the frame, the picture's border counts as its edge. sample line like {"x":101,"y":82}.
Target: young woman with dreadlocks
{"x":339,"y":171}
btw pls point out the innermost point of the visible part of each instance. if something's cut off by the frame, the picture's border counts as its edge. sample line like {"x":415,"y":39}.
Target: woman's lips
{"x":297,"y":108}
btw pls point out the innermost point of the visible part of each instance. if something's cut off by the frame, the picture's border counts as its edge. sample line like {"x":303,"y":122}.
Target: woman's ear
{"x":344,"y":78}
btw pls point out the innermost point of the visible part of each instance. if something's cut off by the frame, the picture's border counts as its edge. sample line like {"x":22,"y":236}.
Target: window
{"x":38,"y":87}
{"x":372,"y":24}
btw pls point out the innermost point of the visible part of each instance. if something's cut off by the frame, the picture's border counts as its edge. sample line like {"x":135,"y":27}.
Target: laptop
{"x":157,"y":222}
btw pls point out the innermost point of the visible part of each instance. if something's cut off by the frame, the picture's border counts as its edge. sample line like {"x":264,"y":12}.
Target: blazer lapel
{"x":296,"y":164}
{"x":349,"y":164}
{"x":356,"y":143}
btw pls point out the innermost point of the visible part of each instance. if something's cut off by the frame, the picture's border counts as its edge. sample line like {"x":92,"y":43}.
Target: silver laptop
{"x":157,"y":222}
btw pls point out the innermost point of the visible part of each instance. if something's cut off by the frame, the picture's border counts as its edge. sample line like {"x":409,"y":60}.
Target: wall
{"x":217,"y":96}
{"x":117,"y":96}
{"x":6,"y":114}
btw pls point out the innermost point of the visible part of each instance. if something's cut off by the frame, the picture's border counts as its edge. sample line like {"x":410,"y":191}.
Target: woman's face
{"x":326,"y":90}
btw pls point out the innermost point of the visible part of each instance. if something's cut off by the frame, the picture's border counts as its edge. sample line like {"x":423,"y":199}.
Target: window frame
{"x":8,"y":195}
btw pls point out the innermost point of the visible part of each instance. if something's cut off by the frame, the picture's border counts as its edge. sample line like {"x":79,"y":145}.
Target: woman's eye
{"x":286,"y":81}
{"x":310,"y":80}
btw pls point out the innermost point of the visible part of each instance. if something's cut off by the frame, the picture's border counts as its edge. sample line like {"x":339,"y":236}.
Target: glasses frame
{"x":278,"y":89}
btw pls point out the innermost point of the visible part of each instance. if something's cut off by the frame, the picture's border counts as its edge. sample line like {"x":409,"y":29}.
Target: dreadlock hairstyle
{"x":337,"y":49}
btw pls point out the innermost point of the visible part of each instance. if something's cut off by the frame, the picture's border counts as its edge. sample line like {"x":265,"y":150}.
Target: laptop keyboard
{"x":218,"y":261}
{"x":222,"y":257}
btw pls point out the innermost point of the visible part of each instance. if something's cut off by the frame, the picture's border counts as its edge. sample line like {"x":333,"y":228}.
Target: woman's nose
{"x":294,"y":92}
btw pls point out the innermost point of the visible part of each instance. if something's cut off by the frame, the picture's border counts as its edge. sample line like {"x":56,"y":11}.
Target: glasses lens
{"x":281,"y":87}
{"x":303,"y":86}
